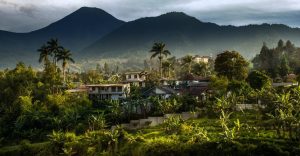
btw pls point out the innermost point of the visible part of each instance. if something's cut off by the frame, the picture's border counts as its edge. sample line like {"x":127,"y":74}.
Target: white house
{"x":135,"y":78}
{"x":98,"y":92}
{"x":203,"y":59}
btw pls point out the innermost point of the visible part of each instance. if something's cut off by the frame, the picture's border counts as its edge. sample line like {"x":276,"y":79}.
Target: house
{"x":78,"y":89}
{"x":195,"y":86}
{"x":163,"y":92}
{"x":136,"y":78}
{"x":203,"y":59}
{"x":197,"y":59}
{"x":98,"y":92}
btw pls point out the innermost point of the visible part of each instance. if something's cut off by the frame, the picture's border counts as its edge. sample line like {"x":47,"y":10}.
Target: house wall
{"x":108,"y":92}
{"x":201,"y":59}
{"x":135,"y":77}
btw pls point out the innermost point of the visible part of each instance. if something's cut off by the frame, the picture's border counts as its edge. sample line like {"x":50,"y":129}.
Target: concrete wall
{"x":154,"y":121}
{"x":241,"y":107}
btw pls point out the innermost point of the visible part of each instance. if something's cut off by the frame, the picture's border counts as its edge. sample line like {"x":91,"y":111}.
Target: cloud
{"x":39,"y":13}
{"x":27,"y":9}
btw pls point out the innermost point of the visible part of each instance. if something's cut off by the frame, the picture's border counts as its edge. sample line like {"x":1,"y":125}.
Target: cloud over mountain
{"x":30,"y":15}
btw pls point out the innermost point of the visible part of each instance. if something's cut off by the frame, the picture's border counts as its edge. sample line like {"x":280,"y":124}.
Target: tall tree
{"x":280,"y":44}
{"x":44,"y":55}
{"x":65,"y":57}
{"x":284,"y":68}
{"x":55,"y":49}
{"x":188,"y":61}
{"x":158,"y":49}
{"x":232,"y":65}
{"x":106,"y":69}
{"x":166,"y":67}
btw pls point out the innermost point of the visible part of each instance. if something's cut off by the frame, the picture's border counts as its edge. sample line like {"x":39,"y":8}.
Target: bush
{"x":172,"y":124}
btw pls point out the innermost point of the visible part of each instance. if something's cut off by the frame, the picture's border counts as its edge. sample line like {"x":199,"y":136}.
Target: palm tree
{"x":166,"y":66}
{"x":188,"y":60}
{"x":55,"y":48}
{"x":44,"y":53}
{"x":65,"y":56}
{"x":158,"y":49}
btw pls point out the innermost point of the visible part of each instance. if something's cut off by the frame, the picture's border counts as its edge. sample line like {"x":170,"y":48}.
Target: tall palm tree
{"x":65,"y":56}
{"x":158,"y":49}
{"x":44,"y":54}
{"x":166,"y":66}
{"x":188,"y":60}
{"x":55,"y":48}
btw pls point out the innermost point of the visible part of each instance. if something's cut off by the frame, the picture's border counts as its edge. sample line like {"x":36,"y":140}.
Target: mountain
{"x":92,"y":34}
{"x":75,"y":31}
{"x":184,"y":34}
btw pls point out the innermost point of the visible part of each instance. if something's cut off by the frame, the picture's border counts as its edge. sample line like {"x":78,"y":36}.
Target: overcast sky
{"x":28,"y":15}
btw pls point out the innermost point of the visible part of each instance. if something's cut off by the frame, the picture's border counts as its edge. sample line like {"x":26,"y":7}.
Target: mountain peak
{"x":91,"y":11}
{"x":175,"y":14}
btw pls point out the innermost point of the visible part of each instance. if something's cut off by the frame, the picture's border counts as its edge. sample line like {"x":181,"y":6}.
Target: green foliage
{"x":97,"y":122}
{"x":231,"y":65}
{"x":188,"y":62}
{"x":258,"y":80}
{"x":285,"y":114}
{"x":92,"y":77}
{"x":158,"y":50}
{"x":201,"y":69}
{"x":165,"y":106}
{"x":226,"y":103}
{"x":219,"y":84}
{"x":240,"y":88}
{"x":284,"y":68}
{"x":228,"y":134}
{"x":278,"y":61}
{"x":115,"y":113}
{"x":172,"y":124}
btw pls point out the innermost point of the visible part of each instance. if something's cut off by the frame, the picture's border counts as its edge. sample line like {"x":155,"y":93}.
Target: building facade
{"x":136,"y":78}
{"x":201,"y":59}
{"x":99,"y":92}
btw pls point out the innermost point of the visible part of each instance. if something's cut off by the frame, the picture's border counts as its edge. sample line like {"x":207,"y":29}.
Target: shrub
{"x":172,"y":124}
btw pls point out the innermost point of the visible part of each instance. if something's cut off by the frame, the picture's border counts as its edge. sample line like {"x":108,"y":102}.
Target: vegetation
{"x":159,"y":50}
{"x":240,"y":114}
{"x":231,"y":65}
{"x":279,"y":61}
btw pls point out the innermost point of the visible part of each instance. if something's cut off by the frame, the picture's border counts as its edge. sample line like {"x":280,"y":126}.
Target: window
{"x":113,"y":89}
{"x":135,"y":76}
{"x":119,"y":89}
{"x":93,"y":88}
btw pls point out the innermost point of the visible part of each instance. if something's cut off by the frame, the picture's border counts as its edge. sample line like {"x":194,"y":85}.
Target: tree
{"x":219,"y":84}
{"x":284,"y":68}
{"x":200,"y":69}
{"x":158,"y":49}
{"x":258,"y":80}
{"x":65,"y":56}
{"x":166,"y":67}
{"x":54,"y":48}
{"x":280,"y":44}
{"x":232,"y":65}
{"x":188,"y":60}
{"x":44,"y":54}
{"x":51,"y":78}
{"x":106,"y":69}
